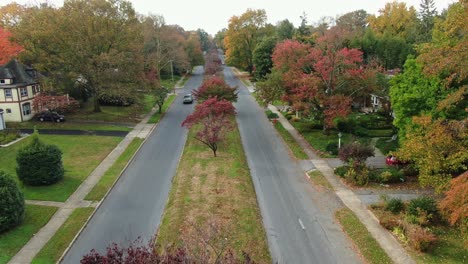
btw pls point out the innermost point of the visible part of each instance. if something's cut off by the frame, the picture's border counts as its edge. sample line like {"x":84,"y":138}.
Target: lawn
{"x":157,"y":116}
{"x":133,"y":113}
{"x":54,"y":249}
{"x":291,"y":142}
{"x":215,"y":191}
{"x":113,"y":173}
{"x":68,"y":125}
{"x":168,"y":82}
{"x":81,"y":155}
{"x":367,"y":245}
{"x":12,"y":241}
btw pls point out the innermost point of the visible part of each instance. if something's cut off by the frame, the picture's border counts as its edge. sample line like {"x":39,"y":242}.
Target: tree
{"x":161,"y":94}
{"x":8,"y":49}
{"x":39,"y":164}
{"x":270,"y":89}
{"x":215,"y":118}
{"x":94,"y":42}
{"x":262,"y":57}
{"x":242,"y":37}
{"x":455,"y":202}
{"x":204,"y":39}
{"x":215,"y":87}
{"x":355,"y":153}
{"x":59,"y":103}
{"x":438,"y":148}
{"x":427,"y":14}
{"x":284,"y":30}
{"x":413,"y":94}
{"x":11,"y":203}
{"x":212,"y":63}
{"x":194,"y":50}
{"x":355,"y":22}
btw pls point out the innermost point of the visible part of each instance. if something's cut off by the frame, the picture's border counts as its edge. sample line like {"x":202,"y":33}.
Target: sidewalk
{"x":388,"y":243}
{"x":76,"y":200}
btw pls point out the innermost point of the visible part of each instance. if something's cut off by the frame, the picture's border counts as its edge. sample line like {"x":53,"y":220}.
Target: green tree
{"x":413,"y":94}
{"x":427,"y":14}
{"x":284,"y":30}
{"x":161,"y":94}
{"x":262,"y":57}
{"x":242,"y":37}
{"x":204,"y":39}
{"x":270,"y":89}
{"x":94,"y":42}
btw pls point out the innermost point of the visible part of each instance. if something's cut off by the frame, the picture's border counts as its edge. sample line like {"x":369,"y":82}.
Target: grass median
{"x":81,"y":155}
{"x":215,"y":193}
{"x":113,"y":173}
{"x":367,"y":245}
{"x":55,"y":247}
{"x":157,"y":116}
{"x":12,"y":241}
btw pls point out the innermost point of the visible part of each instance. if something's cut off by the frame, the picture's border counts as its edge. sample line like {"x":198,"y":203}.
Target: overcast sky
{"x":213,"y":15}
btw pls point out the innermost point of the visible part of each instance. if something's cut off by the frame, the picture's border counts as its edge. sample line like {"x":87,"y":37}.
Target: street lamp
{"x":339,"y":140}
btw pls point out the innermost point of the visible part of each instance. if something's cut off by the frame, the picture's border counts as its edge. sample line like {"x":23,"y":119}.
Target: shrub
{"x":11,"y":203}
{"x":424,"y":209}
{"x":419,"y":238}
{"x":410,"y":170}
{"x":395,"y":205}
{"x":115,"y":100}
{"x":39,"y":164}
{"x":332,"y":147}
{"x":341,"y":171}
{"x":272,"y":115}
{"x":6,"y":136}
{"x":355,"y":152}
{"x":346,"y":125}
{"x":358,"y":175}
{"x":361,"y":132}
{"x":389,"y":221}
{"x":391,"y":175}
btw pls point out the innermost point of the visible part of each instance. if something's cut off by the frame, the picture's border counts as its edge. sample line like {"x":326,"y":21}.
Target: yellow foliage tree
{"x":395,"y":19}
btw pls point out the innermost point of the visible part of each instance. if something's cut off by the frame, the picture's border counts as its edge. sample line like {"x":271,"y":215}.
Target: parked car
{"x":188,"y":99}
{"x":50,"y":116}
{"x":392,"y":160}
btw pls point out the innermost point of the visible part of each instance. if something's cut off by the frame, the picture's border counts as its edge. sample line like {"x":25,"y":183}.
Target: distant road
{"x":297,"y":230}
{"x":135,"y":205}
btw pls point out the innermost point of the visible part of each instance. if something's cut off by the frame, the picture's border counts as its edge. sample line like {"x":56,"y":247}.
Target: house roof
{"x":20,"y":73}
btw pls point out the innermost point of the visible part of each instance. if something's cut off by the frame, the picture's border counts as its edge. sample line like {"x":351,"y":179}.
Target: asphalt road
{"x":297,"y":229}
{"x":136,"y":203}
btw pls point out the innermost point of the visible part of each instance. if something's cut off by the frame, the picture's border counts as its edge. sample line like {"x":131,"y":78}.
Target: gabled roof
{"x":20,"y":73}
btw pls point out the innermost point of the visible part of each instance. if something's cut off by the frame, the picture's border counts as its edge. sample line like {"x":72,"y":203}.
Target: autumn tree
{"x":215,"y":87}
{"x":242,"y":37}
{"x":59,"y":103}
{"x":215,"y":118}
{"x":355,"y":22}
{"x":212,"y":63}
{"x":438,"y":148}
{"x":270,"y":89}
{"x":160,"y":95}
{"x":96,"y":43}
{"x":194,"y":50}
{"x":455,"y":202}
{"x":8,"y":49}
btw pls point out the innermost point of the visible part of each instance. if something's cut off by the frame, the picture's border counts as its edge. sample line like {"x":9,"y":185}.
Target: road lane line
{"x":302,"y":225}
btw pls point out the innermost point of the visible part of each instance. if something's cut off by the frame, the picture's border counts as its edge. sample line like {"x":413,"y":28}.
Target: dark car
{"x":50,"y":116}
{"x":188,"y":99}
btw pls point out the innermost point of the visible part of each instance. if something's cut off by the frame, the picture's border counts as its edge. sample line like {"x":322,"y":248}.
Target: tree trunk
{"x":160,"y":108}
{"x":97,"y":107}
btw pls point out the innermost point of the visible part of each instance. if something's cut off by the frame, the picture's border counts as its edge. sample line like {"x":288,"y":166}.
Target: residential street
{"x":135,"y":205}
{"x":299,"y":228}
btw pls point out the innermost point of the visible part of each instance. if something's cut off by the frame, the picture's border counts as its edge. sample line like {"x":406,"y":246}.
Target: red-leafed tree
{"x":60,"y":103}
{"x":317,"y":78}
{"x":215,"y":87}
{"x":214,"y":116}
{"x":8,"y":49}
{"x":212,"y":63}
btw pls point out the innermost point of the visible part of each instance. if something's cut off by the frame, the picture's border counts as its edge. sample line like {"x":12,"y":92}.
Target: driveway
{"x":300,"y":225}
{"x":135,"y":205}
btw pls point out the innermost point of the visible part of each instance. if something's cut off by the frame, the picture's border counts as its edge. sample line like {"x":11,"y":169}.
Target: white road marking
{"x":302,"y":225}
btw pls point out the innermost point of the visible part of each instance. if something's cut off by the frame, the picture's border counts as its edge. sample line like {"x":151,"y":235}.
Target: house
{"x":18,"y":87}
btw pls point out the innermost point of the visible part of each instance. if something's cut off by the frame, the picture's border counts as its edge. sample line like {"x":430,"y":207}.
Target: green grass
{"x":12,"y":241}
{"x":367,"y":245}
{"x":157,"y":116}
{"x":128,"y":114}
{"x":291,"y":142}
{"x":81,"y":155}
{"x":219,"y":189}
{"x":67,"y":125}
{"x":54,"y":249}
{"x":169,"y":83}
{"x":451,"y":247}
{"x":113,"y":173}
{"x":317,"y":177}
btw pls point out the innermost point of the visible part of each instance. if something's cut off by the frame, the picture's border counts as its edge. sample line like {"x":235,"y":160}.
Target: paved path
{"x":134,"y":206}
{"x":298,"y":229}
{"x":76,"y":200}
{"x":391,"y":246}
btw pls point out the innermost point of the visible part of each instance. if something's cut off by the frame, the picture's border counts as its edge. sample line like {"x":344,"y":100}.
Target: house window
{"x":8,"y":93}
{"x":26,"y":109}
{"x":2,"y":81}
{"x":35,"y":89}
{"x":24,"y":92}
{"x":8,"y":111}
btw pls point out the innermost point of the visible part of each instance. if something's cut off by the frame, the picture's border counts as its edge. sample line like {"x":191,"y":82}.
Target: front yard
{"x":81,"y":155}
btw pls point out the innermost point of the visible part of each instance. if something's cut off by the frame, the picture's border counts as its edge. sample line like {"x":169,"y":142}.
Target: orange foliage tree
{"x":8,"y":49}
{"x":455,"y":203}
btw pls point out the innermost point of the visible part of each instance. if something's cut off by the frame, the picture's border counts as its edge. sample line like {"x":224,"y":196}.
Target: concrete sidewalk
{"x":76,"y":200}
{"x":388,"y":243}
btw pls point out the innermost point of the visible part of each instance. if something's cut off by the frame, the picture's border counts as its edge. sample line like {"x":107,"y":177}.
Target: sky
{"x":214,"y":15}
